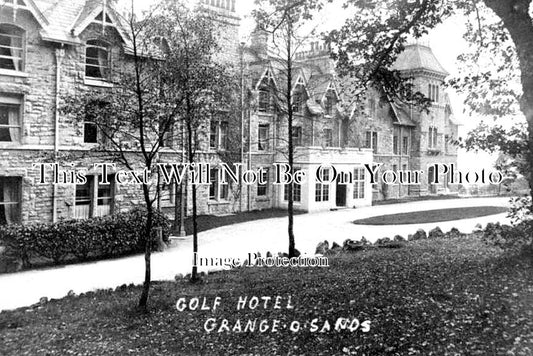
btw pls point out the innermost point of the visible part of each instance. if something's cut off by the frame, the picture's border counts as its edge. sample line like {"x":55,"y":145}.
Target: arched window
{"x":97,"y":59}
{"x":11,"y":47}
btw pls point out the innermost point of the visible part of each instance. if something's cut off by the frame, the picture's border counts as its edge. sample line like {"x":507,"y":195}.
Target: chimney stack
{"x":260,"y":42}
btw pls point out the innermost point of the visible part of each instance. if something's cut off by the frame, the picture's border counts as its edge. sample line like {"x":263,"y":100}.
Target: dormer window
{"x":11,"y":48}
{"x":97,"y":60}
{"x":266,"y":86}
{"x":330,"y":100}
{"x":264,"y":100}
{"x":298,"y":95}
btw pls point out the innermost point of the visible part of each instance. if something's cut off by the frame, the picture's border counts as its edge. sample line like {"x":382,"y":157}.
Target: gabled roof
{"x":320,"y":84}
{"x":419,"y":57}
{"x":402,"y":116}
{"x":267,"y":72}
{"x":31,"y":7}
{"x":63,"y":20}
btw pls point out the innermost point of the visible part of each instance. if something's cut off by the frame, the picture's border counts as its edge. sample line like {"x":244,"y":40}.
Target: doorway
{"x":431,"y":178}
{"x":340,"y":194}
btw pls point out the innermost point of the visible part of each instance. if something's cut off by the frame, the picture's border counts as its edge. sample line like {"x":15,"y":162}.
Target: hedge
{"x":80,"y":240}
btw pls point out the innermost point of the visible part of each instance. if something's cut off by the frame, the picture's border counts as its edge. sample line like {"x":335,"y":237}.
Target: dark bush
{"x":81,"y":240}
{"x":509,"y":237}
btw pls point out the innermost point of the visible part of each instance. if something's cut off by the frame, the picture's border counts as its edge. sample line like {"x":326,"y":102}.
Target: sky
{"x":445,"y":40}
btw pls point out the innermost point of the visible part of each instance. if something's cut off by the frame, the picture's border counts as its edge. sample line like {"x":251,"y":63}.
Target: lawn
{"x":208,"y":222}
{"x":431,"y":297}
{"x":430,"y":216}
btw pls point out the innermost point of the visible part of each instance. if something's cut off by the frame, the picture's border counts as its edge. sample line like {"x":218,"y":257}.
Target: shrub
{"x":436,"y":233}
{"x":509,"y":237}
{"x":80,"y":240}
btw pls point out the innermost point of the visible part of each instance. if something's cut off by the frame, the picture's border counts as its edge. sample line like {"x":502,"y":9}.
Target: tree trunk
{"x":194,"y":273}
{"x":190,"y":145}
{"x":143,"y":302}
{"x":290,"y":207}
{"x":516,"y":19}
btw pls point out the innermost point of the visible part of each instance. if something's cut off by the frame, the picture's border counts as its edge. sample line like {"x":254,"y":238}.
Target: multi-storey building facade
{"x":49,"y":48}
{"x":404,"y":138}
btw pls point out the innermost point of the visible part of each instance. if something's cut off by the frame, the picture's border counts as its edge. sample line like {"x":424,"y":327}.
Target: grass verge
{"x":432,"y":297}
{"x":208,"y":222}
{"x":430,"y":216}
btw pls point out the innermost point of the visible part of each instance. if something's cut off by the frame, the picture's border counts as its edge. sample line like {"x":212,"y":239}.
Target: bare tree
{"x":282,"y":19}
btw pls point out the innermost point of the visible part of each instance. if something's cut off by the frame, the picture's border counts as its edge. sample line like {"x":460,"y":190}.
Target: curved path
{"x":26,"y":288}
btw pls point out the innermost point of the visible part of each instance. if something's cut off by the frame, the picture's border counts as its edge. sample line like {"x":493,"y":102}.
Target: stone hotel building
{"x":49,"y":48}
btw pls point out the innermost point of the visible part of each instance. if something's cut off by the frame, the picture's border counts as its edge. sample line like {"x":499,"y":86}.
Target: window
{"x":297,"y":135}
{"x":223,"y":143}
{"x":371,"y":140}
{"x":265,"y":104}
{"x":395,"y":168}
{"x":433,"y":92}
{"x":217,"y":189}
{"x":168,"y":193}
{"x":322,"y":189}
{"x":218,"y":135}
{"x":368,"y":139}
{"x":328,"y":137}
{"x":104,"y":199}
{"x":11,"y":48}
{"x":94,"y":114}
{"x":446,"y":140}
{"x":298,"y":103}
{"x":83,"y":199}
{"x":10,"y":198}
{"x":396,"y":141}
{"x":213,"y":135}
{"x":405,"y":145}
{"x":359,"y":183}
{"x":296,"y":190}
{"x":298,"y":97}
{"x":329,"y":103}
{"x":404,"y":167}
{"x":10,"y":122}
{"x":97,"y":60}
{"x":90,"y":132}
{"x":94,"y":198}
{"x":263,"y":137}
{"x":432,"y":137}
{"x":262,"y":189}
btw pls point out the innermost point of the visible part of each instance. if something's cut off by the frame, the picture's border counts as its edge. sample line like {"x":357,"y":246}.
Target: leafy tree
{"x":205,"y":83}
{"x":501,"y":33}
{"x":164,"y":93}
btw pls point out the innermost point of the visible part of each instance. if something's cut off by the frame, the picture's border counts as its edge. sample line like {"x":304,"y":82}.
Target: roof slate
{"x":418,"y":57}
{"x":63,"y":16}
